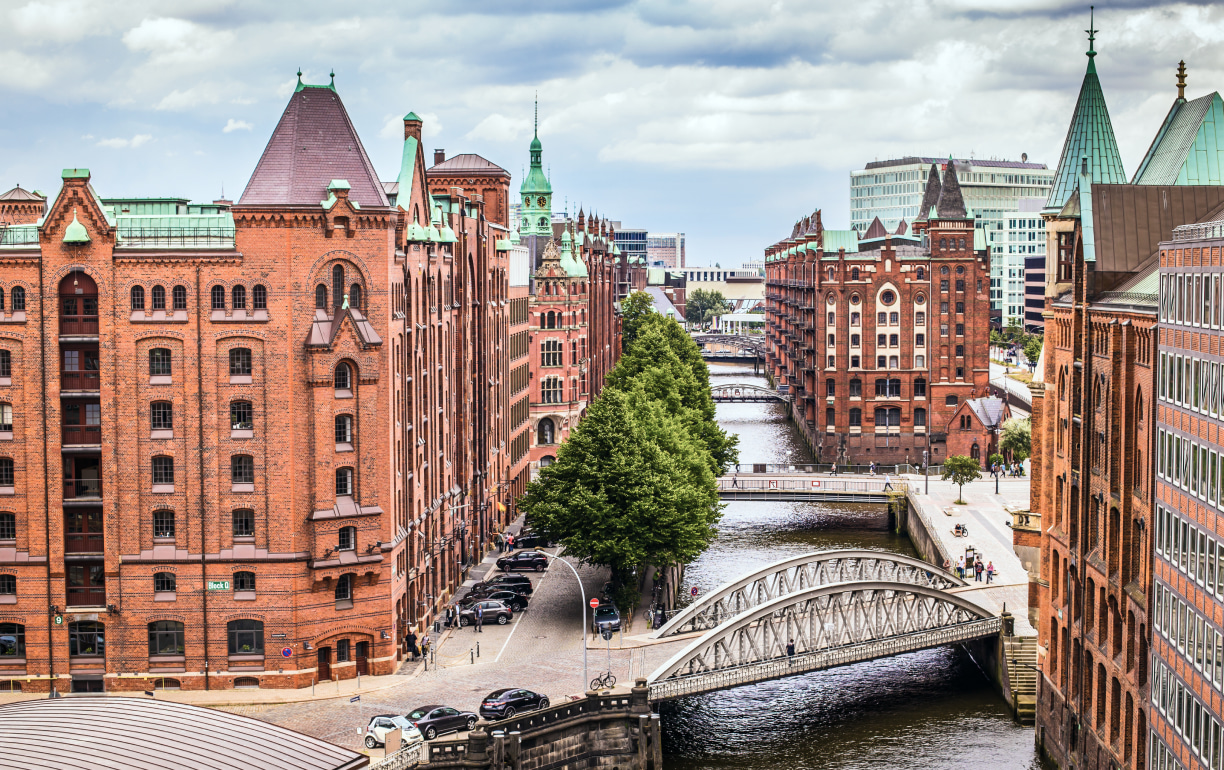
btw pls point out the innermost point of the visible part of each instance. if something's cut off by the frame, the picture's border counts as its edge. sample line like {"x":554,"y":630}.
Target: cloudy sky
{"x":723,"y":119}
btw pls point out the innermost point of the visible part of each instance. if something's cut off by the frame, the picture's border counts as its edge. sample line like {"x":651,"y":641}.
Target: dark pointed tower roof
{"x":1090,"y":136}
{"x":875,"y":230}
{"x":313,"y":143}
{"x":951,"y":204}
{"x":931,"y":196}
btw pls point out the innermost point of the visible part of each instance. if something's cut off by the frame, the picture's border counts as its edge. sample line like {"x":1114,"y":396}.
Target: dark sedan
{"x":606,"y":616}
{"x":531,"y":540}
{"x":433,"y":721}
{"x":503,"y":704}
{"x":523,"y":560}
{"x":512,"y":599}
{"x":494,"y":612}
{"x":520,"y":584}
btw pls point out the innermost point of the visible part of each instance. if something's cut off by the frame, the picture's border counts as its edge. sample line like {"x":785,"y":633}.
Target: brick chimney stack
{"x":412,"y":126}
{"x":439,"y":157}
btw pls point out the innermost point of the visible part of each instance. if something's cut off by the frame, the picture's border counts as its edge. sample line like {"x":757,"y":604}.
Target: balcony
{"x":79,"y":325}
{"x":79,"y":380}
{"x":86,"y":596}
{"x":82,"y":489}
{"x":84,"y":542}
{"x":81,"y":434}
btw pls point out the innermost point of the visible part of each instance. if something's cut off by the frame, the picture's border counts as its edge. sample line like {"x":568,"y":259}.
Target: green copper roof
{"x":412,"y":116}
{"x":835,"y":240}
{"x":1090,"y":136}
{"x":1189,"y":148}
{"x":417,"y":233}
{"x":75,"y":232}
{"x":302,"y":86}
{"x":75,"y":173}
{"x":403,"y":199}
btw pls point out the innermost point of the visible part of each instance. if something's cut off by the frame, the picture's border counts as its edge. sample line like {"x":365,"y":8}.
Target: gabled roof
{"x":931,"y":195}
{"x":470,"y":163}
{"x":19,"y":194}
{"x":1090,"y":136}
{"x":951,"y":204}
{"x":902,"y":228}
{"x":988,"y":410}
{"x":1189,"y":147}
{"x":875,"y":230}
{"x":324,"y":330}
{"x":313,"y":143}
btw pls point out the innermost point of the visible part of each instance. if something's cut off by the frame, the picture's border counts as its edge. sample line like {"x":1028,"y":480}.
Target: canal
{"x":931,"y":709}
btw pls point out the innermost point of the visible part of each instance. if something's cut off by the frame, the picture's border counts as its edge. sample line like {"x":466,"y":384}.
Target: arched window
{"x":159,"y":297}
{"x":159,"y":362}
{"x":975,"y":452}
{"x":544,"y":431}
{"x":246,"y":637}
{"x":943,"y":243}
{"x":943,"y":269}
{"x":238,"y":297}
{"x":347,"y":539}
{"x":163,"y":470}
{"x":138,"y":298}
{"x":6,"y":417}
{"x":240,"y":362}
{"x":830,"y":387}
{"x":2,"y":300}
{"x":246,"y":683}
{"x":920,"y":387}
{"x":344,"y":588}
{"x":894,"y":362}
{"x":8,"y":585}
{"x":218,"y":298}
{"x":244,"y":581}
{"x":18,"y":299}
{"x":344,"y":429}
{"x":179,"y":295}
{"x":344,"y":377}
{"x":163,"y":523}
{"x":167,"y":684}
{"x":894,"y":387}
{"x":552,"y":320}
{"x":321,"y":297}
{"x":854,"y":273}
{"x":86,"y":637}
{"x":920,"y":362}
{"x":165,"y":582}
{"x":960,"y":350}
{"x":166,"y":638}
{"x":8,"y":526}
{"x":337,"y":285}
{"x":920,"y":274}
{"x":241,"y":416}
{"x":259,"y":296}
{"x":6,"y":363}
{"x":161,"y":415}
{"x":856,"y":417}
{"x":12,"y":640}
{"x":355,"y":296}
{"x":242,"y":469}
{"x":344,"y":482}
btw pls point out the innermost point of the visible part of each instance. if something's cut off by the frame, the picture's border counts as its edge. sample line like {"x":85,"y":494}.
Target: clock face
{"x":526,"y":200}
{"x":542,"y":201}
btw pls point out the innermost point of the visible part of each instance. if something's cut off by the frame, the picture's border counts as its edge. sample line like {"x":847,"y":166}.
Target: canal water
{"x":926,"y":710}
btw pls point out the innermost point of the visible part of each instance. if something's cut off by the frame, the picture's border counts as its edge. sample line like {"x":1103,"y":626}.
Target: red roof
{"x":19,"y":194}
{"x":470,"y":162}
{"x":314,"y":143}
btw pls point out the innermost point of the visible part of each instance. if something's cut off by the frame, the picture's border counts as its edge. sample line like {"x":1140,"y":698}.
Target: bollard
{"x":472,"y":653}
{"x":478,"y":649}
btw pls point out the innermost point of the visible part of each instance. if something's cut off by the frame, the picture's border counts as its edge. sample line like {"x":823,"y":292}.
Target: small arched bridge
{"x":738,"y":393}
{"x":750,"y":344}
{"x":799,"y":573}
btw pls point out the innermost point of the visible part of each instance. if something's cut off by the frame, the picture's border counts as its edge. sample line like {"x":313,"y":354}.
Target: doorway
{"x":324,"y":663}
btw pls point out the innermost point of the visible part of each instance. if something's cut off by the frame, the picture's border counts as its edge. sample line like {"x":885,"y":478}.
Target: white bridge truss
{"x":800,"y":573}
{"x":831,"y":625}
{"x":737,"y":393}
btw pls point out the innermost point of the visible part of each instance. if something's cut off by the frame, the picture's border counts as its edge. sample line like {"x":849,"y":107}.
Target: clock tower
{"x":536,"y":212}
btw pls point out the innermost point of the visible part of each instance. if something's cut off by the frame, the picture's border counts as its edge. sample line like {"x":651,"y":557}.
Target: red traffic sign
{"x":287,"y":652}
{"x":594,"y":603}
{"x":693,"y":591}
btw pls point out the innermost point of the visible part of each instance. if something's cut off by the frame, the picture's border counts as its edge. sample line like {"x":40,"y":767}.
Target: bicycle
{"x":604,"y":681}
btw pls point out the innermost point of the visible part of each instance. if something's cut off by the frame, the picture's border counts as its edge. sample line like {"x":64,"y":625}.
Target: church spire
{"x":536,"y":189}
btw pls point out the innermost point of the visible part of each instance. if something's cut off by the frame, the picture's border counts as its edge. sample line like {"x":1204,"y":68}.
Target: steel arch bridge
{"x":799,"y":573}
{"x":748,"y":344}
{"x":734,"y":393}
{"x":831,"y":625}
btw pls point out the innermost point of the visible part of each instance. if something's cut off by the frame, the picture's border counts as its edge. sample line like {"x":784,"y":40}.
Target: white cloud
{"x":120,"y":143}
{"x":177,"y":40}
{"x":499,"y":128}
{"x":60,"y":22}
{"x":236,"y":125}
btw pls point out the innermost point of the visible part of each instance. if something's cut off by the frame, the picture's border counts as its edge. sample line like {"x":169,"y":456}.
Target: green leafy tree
{"x":1017,"y":438}
{"x":1014,"y":330}
{"x":635,"y":309}
{"x":1032,"y":348}
{"x":961,"y":470}
{"x":701,"y":306}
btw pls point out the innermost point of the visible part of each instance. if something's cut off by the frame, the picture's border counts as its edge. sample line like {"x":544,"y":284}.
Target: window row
{"x":884,"y":417}
{"x":161,"y":362}
{"x":1193,"y":635}
{"x":157,"y":297}
{"x":166,"y":637}
{"x":1196,"y":469}
{"x":338,"y":296}
{"x":18,"y":299}
{"x":1188,"y":716}
{"x":1192,"y":299}
{"x":242,"y":469}
{"x":1192,"y":384}
{"x":167,"y":582}
{"x":238,"y":298}
{"x":161,"y":415}
{"x":1191,"y":550}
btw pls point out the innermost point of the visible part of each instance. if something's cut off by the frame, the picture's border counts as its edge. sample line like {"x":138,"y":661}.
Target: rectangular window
{"x":163,"y":523}
{"x":163,"y":415}
{"x":244,"y":522}
{"x":920,"y":340}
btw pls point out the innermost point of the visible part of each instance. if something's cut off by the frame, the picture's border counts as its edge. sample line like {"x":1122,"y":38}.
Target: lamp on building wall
{"x":112,"y":609}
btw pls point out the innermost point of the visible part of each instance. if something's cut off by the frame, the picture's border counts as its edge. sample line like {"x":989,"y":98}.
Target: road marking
{"x":520,"y":620}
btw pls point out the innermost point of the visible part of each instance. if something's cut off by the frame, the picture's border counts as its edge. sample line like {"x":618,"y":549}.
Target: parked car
{"x":606,"y":616}
{"x":433,"y":721}
{"x":512,"y":599}
{"x":376,"y":731}
{"x":523,"y":560}
{"x":520,"y":584}
{"x":531,"y":540}
{"x":494,"y":612}
{"x":503,"y":704}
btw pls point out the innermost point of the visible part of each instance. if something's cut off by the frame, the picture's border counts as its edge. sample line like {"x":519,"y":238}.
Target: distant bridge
{"x":737,"y":393}
{"x":783,"y":487}
{"x":753,"y":344}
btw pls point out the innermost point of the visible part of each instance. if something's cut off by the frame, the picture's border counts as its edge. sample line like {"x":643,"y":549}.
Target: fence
{"x":404,"y":759}
{"x":895,"y":469}
{"x":865,"y":486}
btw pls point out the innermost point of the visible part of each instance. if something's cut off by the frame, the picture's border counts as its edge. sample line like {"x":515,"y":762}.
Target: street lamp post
{"x":582,"y":593}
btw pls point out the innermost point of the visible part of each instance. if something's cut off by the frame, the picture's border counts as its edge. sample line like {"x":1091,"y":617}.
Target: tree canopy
{"x":635,"y":309}
{"x":1017,"y":438}
{"x":700,"y":306}
{"x":961,"y":470}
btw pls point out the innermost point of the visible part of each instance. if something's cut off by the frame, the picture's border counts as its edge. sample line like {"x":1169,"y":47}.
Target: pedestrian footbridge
{"x":791,"y":487}
{"x":743,"y":393}
{"x":838,"y":607}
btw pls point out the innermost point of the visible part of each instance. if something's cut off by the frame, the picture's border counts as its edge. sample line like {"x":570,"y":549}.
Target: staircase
{"x":1022,"y":676}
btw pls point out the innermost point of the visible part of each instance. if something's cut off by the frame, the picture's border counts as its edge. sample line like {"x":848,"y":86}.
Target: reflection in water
{"x":930,"y":709}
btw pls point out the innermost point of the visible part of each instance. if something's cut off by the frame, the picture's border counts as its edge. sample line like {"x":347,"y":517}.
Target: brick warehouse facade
{"x":359,"y":471}
{"x":881,"y":341}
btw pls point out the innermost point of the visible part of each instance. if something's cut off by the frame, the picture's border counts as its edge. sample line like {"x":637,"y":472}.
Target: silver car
{"x":376,"y":731}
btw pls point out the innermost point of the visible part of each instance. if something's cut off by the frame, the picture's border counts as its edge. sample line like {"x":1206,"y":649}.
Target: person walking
{"x":790,"y":650}
{"x":411,"y":640}
{"x":479,"y":619}
{"x":990,"y":570}
{"x":887,"y":483}
{"x":960,"y":567}
{"x":425,"y":645}
{"x":871,"y":468}
{"x":978,"y":569}
{"x":450,"y":616}
{"x":734,"y":482}
{"x":510,"y":542}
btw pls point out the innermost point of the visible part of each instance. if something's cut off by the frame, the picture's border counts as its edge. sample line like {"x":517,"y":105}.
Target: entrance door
{"x":363,"y":658}
{"x":324,"y":663}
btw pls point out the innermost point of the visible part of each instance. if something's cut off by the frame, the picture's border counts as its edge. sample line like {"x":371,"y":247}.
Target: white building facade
{"x":1018,"y":236}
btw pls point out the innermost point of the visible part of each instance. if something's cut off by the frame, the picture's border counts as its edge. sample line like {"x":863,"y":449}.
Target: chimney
{"x":439,"y":157}
{"x":412,"y":126}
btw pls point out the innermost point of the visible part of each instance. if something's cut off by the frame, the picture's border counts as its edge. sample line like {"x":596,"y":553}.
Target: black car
{"x":503,"y":704}
{"x":494,"y":612}
{"x":531,"y":540}
{"x":523,"y":560}
{"x":433,"y":721}
{"x":606,"y":616}
{"x":508,"y":596}
{"x":517,"y":583}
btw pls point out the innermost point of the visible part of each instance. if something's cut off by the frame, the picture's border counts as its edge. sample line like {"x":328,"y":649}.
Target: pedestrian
{"x":994,"y":470}
{"x":947,"y":566}
{"x":479,"y":619}
{"x":960,"y":568}
{"x":871,"y":468}
{"x":509,"y":542}
{"x":501,"y":542}
{"x":411,"y":639}
{"x":978,"y":568}
{"x":887,"y":482}
{"x":425,"y":645}
{"x":450,"y":616}
{"x":790,"y":649}
{"x":989,"y":572}
{"x":734,"y":482}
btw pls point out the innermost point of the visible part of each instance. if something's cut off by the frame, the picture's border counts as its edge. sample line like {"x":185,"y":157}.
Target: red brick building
{"x":251,"y":445}
{"x":881,"y":340}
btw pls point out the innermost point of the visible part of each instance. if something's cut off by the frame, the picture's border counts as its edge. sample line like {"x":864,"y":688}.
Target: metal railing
{"x":891,"y":469}
{"x":84,"y":542}
{"x":405,"y":758}
{"x":175,"y":237}
{"x":817,"y":486}
{"x":82,"y":488}
{"x":814,"y":661}
{"x":19,"y":236}
{"x":79,"y":324}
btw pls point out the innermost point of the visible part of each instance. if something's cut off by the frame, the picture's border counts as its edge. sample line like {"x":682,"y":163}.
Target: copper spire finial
{"x":1181,"y":79}
{"x":1091,"y":32}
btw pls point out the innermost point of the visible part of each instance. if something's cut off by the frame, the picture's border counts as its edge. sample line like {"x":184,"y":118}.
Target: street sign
{"x":287,"y":652}
{"x":218,"y":585}
{"x":606,"y":632}
{"x":815,"y":485}
{"x":59,"y":620}
{"x":279,"y":636}
{"x":693,"y":591}
{"x":354,"y":699}
{"x":594,"y":603}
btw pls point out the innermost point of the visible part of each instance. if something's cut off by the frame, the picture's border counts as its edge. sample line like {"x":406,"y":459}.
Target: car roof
{"x":503,"y":691}
{"x":425,"y":708}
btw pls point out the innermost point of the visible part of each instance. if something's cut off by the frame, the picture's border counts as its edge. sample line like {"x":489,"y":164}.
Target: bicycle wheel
{"x":596,"y":684}
{"x":609,"y":680}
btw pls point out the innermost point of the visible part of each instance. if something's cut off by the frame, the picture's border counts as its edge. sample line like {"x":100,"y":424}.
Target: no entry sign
{"x":594,"y":603}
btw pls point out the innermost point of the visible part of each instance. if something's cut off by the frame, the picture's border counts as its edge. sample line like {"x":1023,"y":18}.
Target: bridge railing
{"x":881,"y":470}
{"x":776,"y":668}
{"x":811,"y":485}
